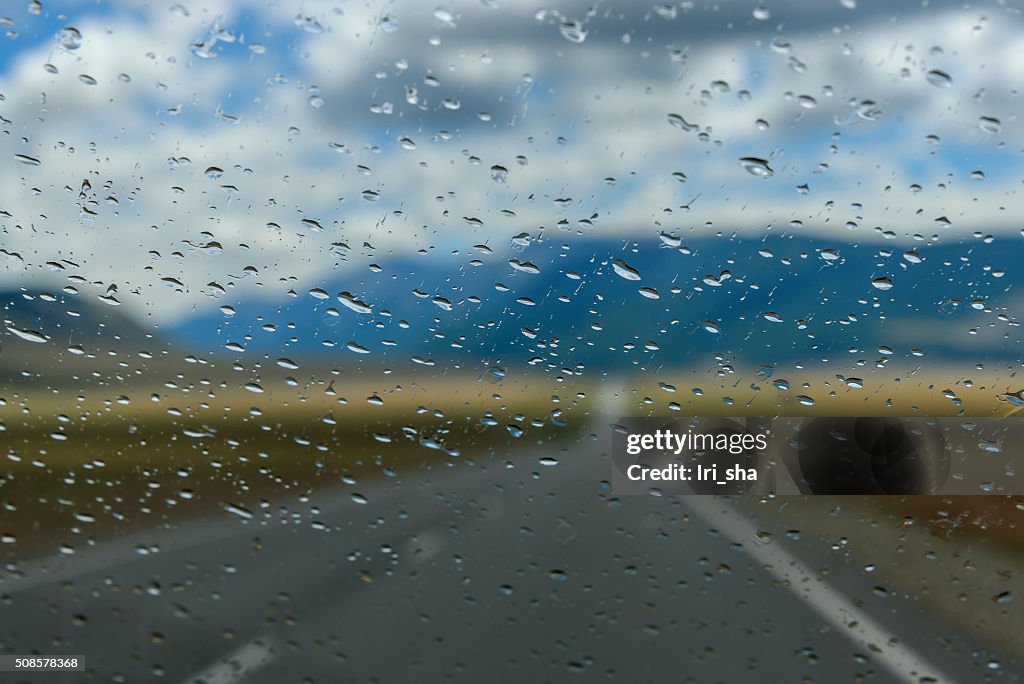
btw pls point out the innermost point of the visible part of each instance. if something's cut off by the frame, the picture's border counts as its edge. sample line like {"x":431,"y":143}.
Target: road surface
{"x":477,"y":572}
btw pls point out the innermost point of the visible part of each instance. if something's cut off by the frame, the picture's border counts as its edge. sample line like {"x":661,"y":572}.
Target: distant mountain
{"x":65,"y":319}
{"x":580,"y":306}
{"x":42,"y":331}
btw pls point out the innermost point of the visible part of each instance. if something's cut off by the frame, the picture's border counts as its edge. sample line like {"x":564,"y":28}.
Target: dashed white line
{"x":237,"y":665}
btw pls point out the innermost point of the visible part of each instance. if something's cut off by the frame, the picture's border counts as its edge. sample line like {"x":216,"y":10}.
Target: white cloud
{"x":608,"y":98}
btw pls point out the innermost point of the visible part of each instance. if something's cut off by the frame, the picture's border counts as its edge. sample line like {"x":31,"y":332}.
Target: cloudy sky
{"x":175,"y":154}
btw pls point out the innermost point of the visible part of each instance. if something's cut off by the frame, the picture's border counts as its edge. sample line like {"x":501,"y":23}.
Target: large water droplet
{"x":756,"y":166}
{"x":990,"y":124}
{"x":807,"y":102}
{"x":572,"y":31}
{"x":388,"y":23}
{"x":29,"y":335}
{"x":681,"y":123}
{"x":624,"y":270}
{"x":349,"y":300}
{"x":499,"y":173}
{"x":240,"y":511}
{"x":883,"y":283}
{"x":69,"y":38}
{"x":939,"y":78}
{"x":524,"y":266}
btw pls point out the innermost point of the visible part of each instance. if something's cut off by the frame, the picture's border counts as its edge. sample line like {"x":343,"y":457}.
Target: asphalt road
{"x":477,"y":572}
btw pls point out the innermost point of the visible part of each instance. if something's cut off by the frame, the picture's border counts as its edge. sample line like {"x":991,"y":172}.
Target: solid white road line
{"x":882,"y":646}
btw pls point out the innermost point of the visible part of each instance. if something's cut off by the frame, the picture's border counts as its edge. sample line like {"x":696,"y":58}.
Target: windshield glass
{"x":325,"y":326}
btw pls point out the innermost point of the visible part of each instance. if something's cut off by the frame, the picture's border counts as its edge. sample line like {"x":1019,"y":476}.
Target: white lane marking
{"x":238,"y":664}
{"x":900,"y":659}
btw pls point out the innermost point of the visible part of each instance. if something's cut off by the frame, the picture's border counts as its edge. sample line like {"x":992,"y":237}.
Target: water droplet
{"x":756,"y":166}
{"x":29,"y":335}
{"x":388,"y":23}
{"x":308,"y":24}
{"x":27,"y":160}
{"x":69,"y":38}
{"x":649,"y":292}
{"x":524,"y":266}
{"x":681,"y":123}
{"x":1016,"y":398}
{"x":807,"y":102}
{"x":624,"y":270}
{"x":990,"y":124}
{"x":572,"y":31}
{"x":670,"y":240}
{"x":350,"y":302}
{"x":240,"y":511}
{"x":444,"y":16}
{"x":990,"y":446}
{"x":499,"y":174}
{"x":912,"y":256}
{"x":939,"y":78}
{"x":883,"y":283}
